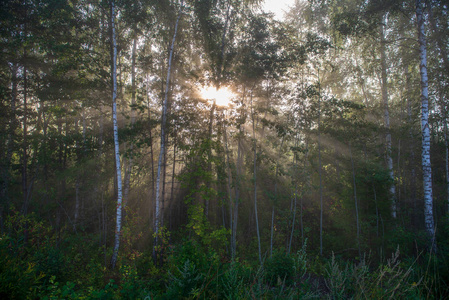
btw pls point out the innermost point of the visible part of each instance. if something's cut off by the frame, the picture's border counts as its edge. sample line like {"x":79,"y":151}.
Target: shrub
{"x":280,"y":268}
{"x":18,"y":278}
{"x":185,"y":282}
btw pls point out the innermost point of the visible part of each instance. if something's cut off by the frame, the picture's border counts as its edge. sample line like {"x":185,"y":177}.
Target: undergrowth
{"x":33,"y":264}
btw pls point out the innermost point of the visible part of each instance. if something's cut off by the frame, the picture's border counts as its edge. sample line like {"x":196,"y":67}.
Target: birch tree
{"x":116,"y":142}
{"x":426,"y":165}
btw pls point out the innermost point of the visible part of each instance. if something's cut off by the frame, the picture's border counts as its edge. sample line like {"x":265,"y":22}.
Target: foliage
{"x":389,"y":280}
{"x":18,"y":277}
{"x":280,"y":268}
{"x":186,"y":282}
{"x":307,"y":93}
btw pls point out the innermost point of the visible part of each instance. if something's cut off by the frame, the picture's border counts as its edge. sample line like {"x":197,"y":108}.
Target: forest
{"x":204,"y":149}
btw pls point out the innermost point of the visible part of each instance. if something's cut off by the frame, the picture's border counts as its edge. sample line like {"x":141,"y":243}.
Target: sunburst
{"x":222,"y":96}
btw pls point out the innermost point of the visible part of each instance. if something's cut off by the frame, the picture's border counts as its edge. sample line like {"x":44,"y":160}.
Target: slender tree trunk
{"x":164,"y":177}
{"x":24,"y":144}
{"x":320,"y":171}
{"x":272,"y":232}
{"x":295,"y":196}
{"x":151,"y":151}
{"x":231,"y":204}
{"x":294,"y":218}
{"x":209,"y":154}
{"x":383,"y":62}
{"x":173,"y":174}
{"x":4,"y":202}
{"x":237,"y":193}
{"x":426,"y":164}
{"x":355,"y":201}
{"x":133,"y":121}
{"x":163,"y":128}
{"x":255,"y":179}
{"x":77,"y":205}
{"x":116,"y":142}
{"x":307,"y":183}
{"x":411,"y":146}
{"x":446,"y":144}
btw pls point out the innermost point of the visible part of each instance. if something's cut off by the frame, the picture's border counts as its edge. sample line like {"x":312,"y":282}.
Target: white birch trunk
{"x":116,"y":142}
{"x":426,"y":165}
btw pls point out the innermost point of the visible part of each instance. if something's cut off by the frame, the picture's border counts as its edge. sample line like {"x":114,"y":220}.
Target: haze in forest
{"x":199,"y":149}
{"x":278,"y":7}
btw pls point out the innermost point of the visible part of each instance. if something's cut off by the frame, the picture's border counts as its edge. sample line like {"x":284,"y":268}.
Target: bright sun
{"x":222,"y":96}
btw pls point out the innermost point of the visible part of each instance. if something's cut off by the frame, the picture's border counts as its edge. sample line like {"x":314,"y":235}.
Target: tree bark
{"x":209,"y":157}
{"x":426,"y":164}
{"x":255,"y":179}
{"x":24,"y":144}
{"x":384,"y":88}
{"x":151,"y":152}
{"x":320,"y":169}
{"x":163,"y":128}
{"x":133,"y":121}
{"x":355,"y":201}
{"x":116,"y":142}
{"x":272,"y":231}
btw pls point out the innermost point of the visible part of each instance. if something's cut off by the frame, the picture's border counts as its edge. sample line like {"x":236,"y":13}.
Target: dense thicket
{"x":311,"y":181}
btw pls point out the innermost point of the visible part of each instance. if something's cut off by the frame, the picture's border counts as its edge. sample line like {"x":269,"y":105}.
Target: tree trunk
{"x":24,"y":144}
{"x":151,"y":152}
{"x":209,"y":154}
{"x":411,"y":146}
{"x":9,"y":145}
{"x":355,"y":201}
{"x":272,"y":232}
{"x":163,"y":128}
{"x":320,"y":170}
{"x":231,"y":203}
{"x":426,"y":165}
{"x":116,"y":142}
{"x":172,"y":198}
{"x":133,"y":121}
{"x":295,"y":197}
{"x":255,"y":179}
{"x":164,"y":182}
{"x":392,"y":189}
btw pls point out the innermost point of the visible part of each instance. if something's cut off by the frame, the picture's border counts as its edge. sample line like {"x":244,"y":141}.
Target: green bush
{"x":19,"y":278}
{"x":355,"y":280}
{"x":20,"y":273}
{"x":280,"y":268}
{"x":50,"y":262}
{"x":187,"y":281}
{"x":132,"y":287}
{"x":231,"y":284}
